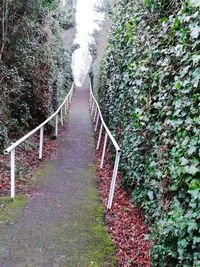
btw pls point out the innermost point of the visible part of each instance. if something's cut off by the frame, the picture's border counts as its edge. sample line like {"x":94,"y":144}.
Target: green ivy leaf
{"x":191,"y":169}
{"x":195,"y":184}
{"x":196,"y":77}
{"x":194,"y":31}
{"x":195,"y":59}
{"x":184,"y":161}
{"x":192,"y":226}
{"x":178,"y":84}
{"x":150,"y":195}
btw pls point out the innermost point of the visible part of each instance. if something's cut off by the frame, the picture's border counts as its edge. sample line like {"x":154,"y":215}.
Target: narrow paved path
{"x":62,"y":223}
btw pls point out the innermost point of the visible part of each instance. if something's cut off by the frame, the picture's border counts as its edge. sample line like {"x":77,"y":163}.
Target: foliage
{"x":161,"y":7}
{"x":149,"y":92}
{"x":35,"y":67}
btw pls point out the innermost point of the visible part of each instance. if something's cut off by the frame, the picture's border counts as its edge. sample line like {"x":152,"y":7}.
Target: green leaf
{"x":196,"y":240}
{"x":191,"y":169}
{"x":192,"y":226}
{"x":184,"y":71}
{"x":196,"y":77}
{"x":184,"y":161}
{"x":191,"y":150}
{"x":195,"y":59}
{"x":195,"y":184}
{"x":194,"y":31}
{"x":178,"y":85}
{"x":150,"y":195}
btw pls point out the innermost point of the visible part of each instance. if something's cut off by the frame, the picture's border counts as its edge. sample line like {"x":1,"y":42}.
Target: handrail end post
{"x":12,"y":167}
{"x":56,"y":127}
{"x":41,"y":142}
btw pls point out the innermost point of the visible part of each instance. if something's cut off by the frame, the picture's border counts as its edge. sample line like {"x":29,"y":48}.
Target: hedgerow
{"x":35,"y":68}
{"x":148,"y":88}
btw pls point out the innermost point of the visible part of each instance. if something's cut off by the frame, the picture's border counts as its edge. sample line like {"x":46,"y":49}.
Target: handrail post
{"x":65,"y":108}
{"x":113,"y":182}
{"x":71,"y":93}
{"x":12,"y":148}
{"x":67,"y":103}
{"x":104,"y":150}
{"x":56,"y":127}
{"x":41,"y":142}
{"x":90,"y":99}
{"x":12,"y":166}
{"x":92,"y":107}
{"x":95,"y":114}
{"x":70,"y":97}
{"x":96,"y":118}
{"x":100,"y":133}
{"x":61,"y":116}
{"x":97,"y":122}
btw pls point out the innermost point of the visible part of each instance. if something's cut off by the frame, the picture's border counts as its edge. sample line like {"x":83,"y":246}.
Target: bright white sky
{"x":87,"y":20}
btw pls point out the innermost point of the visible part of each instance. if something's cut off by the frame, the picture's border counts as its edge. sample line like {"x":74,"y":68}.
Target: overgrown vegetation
{"x":149,"y":92}
{"x":35,"y":68}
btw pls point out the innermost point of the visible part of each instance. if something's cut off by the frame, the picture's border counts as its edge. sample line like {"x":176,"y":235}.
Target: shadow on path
{"x":62,"y":223}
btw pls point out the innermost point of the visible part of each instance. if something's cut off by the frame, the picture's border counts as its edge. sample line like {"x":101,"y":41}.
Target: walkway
{"x":62,"y":224}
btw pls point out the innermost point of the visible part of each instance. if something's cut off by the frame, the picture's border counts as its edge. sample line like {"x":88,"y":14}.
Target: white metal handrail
{"x":96,"y":115}
{"x":11,"y":149}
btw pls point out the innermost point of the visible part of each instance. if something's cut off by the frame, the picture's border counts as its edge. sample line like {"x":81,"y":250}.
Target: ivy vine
{"x":149,"y":90}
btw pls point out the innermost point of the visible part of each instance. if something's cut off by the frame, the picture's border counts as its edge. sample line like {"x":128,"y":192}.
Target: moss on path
{"x":10,"y":210}
{"x":62,"y":223}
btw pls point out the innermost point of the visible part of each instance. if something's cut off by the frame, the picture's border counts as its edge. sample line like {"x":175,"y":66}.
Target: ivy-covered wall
{"x":35,"y":66}
{"x":149,"y":91}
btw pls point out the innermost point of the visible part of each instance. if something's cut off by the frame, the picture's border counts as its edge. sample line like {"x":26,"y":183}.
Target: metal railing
{"x":97,"y":116}
{"x":11,"y":149}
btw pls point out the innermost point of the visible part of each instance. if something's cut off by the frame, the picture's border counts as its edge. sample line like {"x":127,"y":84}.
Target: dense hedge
{"x":149,"y":91}
{"x":35,"y":69}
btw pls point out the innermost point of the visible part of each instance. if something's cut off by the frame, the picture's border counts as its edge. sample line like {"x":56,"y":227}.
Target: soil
{"x":125,"y":220}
